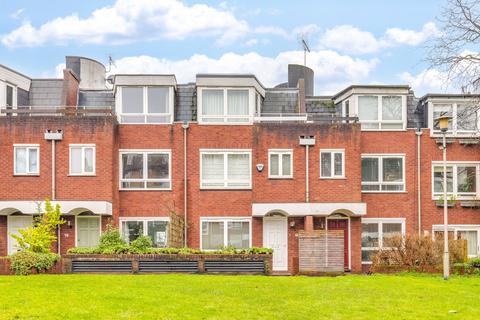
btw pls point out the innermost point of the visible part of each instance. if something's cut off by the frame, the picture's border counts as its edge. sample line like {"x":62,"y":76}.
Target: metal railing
{"x":56,"y":111}
{"x":304,"y":117}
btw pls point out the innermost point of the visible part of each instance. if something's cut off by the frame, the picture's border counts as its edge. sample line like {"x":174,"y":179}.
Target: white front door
{"x":16,"y":223}
{"x":275,"y":236}
{"x":88,"y":231}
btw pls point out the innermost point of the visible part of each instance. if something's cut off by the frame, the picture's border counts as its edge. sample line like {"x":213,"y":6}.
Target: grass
{"x":238,"y":297}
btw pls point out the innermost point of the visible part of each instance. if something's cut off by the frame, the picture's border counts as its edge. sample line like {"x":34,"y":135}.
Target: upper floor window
{"x":82,"y":160}
{"x":27,"y":159}
{"x":382,"y":112}
{"x":9,"y":96}
{"x":383,"y":173}
{"x":225,"y":105}
{"x":149,"y":169}
{"x":464,"y":117}
{"x":280,"y":164}
{"x":332,"y":163}
{"x":225,"y":169}
{"x":151,"y":104}
{"x":463,"y":180}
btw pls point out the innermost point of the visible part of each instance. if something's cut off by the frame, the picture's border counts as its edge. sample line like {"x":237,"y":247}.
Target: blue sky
{"x":352,"y":41}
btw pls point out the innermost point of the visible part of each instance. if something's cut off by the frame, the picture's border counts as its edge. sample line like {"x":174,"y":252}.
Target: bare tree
{"x":455,"y":53}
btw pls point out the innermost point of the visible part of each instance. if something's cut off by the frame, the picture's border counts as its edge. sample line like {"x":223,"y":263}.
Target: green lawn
{"x":238,"y":297}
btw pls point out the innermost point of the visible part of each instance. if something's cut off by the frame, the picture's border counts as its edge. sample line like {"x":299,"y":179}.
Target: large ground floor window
{"x":218,"y":233}
{"x":375,"y":232}
{"x":470,"y":233}
{"x":155,"y":228}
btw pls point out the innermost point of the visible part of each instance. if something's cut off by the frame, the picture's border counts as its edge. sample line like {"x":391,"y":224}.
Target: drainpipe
{"x":185,"y":126}
{"x":54,"y":136}
{"x":419,"y":192}
{"x":307,"y":141}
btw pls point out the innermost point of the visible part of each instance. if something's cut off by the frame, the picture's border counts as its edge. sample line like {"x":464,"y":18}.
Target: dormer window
{"x":225,"y":105}
{"x":465,"y":119}
{"x":377,"y":112}
{"x":146,"y":104}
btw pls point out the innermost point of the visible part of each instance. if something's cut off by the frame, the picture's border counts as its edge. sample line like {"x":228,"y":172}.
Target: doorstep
{"x":281,"y":273}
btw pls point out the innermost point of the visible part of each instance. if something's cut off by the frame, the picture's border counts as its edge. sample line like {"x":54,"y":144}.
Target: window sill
{"x":385,"y":192}
{"x":367,"y":262}
{"x":280,"y":178}
{"x":82,"y":175}
{"x":26,"y":174}
{"x":146,"y":123}
{"x":333,"y":178}
{"x":225,"y":189}
{"x":144,"y":189}
{"x":383,"y":130}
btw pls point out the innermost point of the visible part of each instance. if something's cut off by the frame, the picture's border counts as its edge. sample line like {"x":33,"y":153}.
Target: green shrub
{"x":140,"y":245}
{"x":474,"y":262}
{"x":111,"y":240}
{"x":23,"y":262}
{"x":256,"y":250}
{"x":94,"y":250}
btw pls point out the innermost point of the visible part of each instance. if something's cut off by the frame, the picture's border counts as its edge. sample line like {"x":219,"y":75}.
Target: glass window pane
{"x":467,"y":118}
{"x":239,"y":234}
{"x":367,"y":108}
{"x":438,"y":179}
{"x":274,"y":164}
{"x":442,"y":110}
{"x":392,"y":169}
{"x":212,"y":102}
{"x":237,"y":102}
{"x":89,"y":155}
{"x":370,"y":169}
{"x":286,"y":164}
{"x":472,"y":241}
{"x":390,"y":230}
{"x":157,"y":231}
{"x":76,"y":160}
{"x":392,"y":108}
{"x":32,"y":160}
{"x":238,"y":167}
{"x":158,"y":100}
{"x":131,"y":230}
{"x":9,"y":96}
{"x":326,"y":160}
{"x":466,"y":179}
{"x":370,"y":235}
{"x":367,"y":255}
{"x":213,"y":169}
{"x":338,"y":167}
{"x":157,"y":166}
{"x":21,"y":160}
{"x":132,"y":100}
{"x":212,"y":235}
{"x":132,"y":164}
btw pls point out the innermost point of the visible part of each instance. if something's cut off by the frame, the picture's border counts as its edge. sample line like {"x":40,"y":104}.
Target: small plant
{"x":140,"y":245}
{"x":474,"y":262}
{"x":23,"y":262}
{"x":112,"y":242}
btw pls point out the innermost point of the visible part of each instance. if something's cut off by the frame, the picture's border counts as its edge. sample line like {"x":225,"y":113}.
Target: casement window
{"x":145,"y":170}
{"x":375,"y":234}
{"x":383,"y":173}
{"x":463,"y":180}
{"x":223,"y":232}
{"x":26,"y":160}
{"x":225,"y":169}
{"x":225,"y":105}
{"x":82,"y":160}
{"x":88,"y":231}
{"x":332,"y":163}
{"x":9,"y":94}
{"x":382,"y":112}
{"x":470,"y":233}
{"x":280,"y":164}
{"x":155,"y":228}
{"x":150,"y":104}
{"x":464,"y":116}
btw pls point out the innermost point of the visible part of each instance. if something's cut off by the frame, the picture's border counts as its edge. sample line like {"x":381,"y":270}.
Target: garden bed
{"x":168,"y":263}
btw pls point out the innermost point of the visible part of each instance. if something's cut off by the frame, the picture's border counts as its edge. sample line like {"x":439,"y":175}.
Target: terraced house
{"x":323,"y":180}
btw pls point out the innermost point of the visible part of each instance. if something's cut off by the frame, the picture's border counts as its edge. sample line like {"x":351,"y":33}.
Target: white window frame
{"x":145,"y":221}
{"x":145,"y":113}
{"x":14,"y":95}
{"x":380,"y":173}
{"x":459,"y":227}
{"x":455,"y":165}
{"x":145,"y":152}
{"x":332,"y":164}
{"x":86,"y":217}
{"x":379,"y":222}
{"x":280,"y":153}
{"x":225,"y":117}
{"x":225,"y":153}
{"x":83,"y":147}
{"x":454,"y":132}
{"x":225,"y":221}
{"x":380,"y":120}
{"x":28,"y":147}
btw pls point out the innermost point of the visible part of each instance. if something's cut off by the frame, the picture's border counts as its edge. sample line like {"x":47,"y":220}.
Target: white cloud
{"x":350,"y":39}
{"x":332,"y":70}
{"x":251,"y":42}
{"x":129,"y":20}
{"x":428,"y":80}
{"x":271,"y":30}
{"x":17,"y":14}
